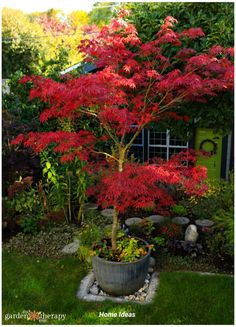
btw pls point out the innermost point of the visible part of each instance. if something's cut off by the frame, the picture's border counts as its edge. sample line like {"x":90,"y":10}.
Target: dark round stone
{"x":180,"y":221}
{"x":204,"y":222}
{"x":107,"y":212}
{"x":157,"y":219}
{"x":133,"y":221}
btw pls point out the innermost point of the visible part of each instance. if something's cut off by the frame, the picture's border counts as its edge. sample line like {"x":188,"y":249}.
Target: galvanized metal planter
{"x":121,"y":278}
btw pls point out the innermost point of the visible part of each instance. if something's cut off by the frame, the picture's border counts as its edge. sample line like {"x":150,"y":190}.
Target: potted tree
{"x":135,"y":84}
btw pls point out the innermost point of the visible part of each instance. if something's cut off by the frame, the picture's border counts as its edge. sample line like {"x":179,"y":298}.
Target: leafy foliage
{"x":25,"y":201}
{"x":101,"y":13}
{"x":185,"y":248}
{"x":216,"y":20}
{"x":128,"y":249}
{"x":217,"y":204}
{"x":179,"y":210}
{"x":136,"y":186}
{"x":40,"y":43}
{"x":17,"y":51}
{"x":65,"y":185}
{"x":225,"y":222}
{"x":88,"y":235}
{"x":62,"y":34}
{"x":171,"y":231}
{"x":219,"y":196}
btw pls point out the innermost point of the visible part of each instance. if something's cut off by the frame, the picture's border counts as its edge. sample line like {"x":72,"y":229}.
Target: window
{"x":152,"y":143}
{"x":137,"y":148}
{"x":164,"y":145}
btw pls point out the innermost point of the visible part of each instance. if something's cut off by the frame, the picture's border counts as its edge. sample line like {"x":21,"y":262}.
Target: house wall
{"x":141,"y":150}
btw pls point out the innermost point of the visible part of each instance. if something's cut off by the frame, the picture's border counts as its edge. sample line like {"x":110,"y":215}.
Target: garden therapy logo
{"x":35,"y":316}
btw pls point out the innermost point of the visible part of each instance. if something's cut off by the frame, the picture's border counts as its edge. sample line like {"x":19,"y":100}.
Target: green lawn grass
{"x":50,"y":286}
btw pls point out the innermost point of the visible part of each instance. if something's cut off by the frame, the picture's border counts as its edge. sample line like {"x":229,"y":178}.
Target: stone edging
{"x":87,"y":282}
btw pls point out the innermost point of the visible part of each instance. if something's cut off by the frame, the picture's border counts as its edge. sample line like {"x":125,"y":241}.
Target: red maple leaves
{"x":132,"y":70}
{"x":69,"y":144}
{"x":141,"y":186}
{"x":136,"y":83}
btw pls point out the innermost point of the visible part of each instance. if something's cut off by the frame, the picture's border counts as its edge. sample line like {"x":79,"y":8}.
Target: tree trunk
{"x":115,"y":223}
{"x":114,"y":229}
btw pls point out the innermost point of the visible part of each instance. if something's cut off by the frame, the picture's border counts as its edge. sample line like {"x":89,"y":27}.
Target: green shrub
{"x":224,"y":221}
{"x":88,"y":235}
{"x":219,"y":202}
{"x":218,"y":247}
{"x":129,"y":248}
{"x":26,"y":204}
{"x":29,"y":223}
{"x":221,"y":242}
{"x":179,"y":210}
{"x":220,"y":196}
{"x":65,"y":185}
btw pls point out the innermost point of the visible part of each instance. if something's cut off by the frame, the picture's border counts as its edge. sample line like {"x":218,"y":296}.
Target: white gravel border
{"x":87,"y":282}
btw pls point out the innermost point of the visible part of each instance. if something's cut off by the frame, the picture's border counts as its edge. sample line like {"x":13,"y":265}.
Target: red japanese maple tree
{"x":136,"y":83}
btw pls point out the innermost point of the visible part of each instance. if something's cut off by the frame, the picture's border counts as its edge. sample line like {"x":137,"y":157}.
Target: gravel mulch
{"x":48,"y":243}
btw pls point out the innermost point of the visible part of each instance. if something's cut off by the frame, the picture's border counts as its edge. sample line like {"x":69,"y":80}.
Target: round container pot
{"x":121,"y":278}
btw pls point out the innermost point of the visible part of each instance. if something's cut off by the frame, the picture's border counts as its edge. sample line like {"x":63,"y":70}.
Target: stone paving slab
{"x":180,"y":220}
{"x":204,"y":222}
{"x":71,"y":248}
{"x":87,"y":282}
{"x":107,"y":212}
{"x":157,"y":219}
{"x":133,"y":221}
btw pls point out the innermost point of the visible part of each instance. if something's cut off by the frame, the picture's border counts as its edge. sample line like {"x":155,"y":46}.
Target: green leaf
{"x":45,"y":170}
{"x":48,"y":165}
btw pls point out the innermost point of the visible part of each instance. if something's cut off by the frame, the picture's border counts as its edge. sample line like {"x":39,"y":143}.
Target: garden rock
{"x":71,"y":248}
{"x":107,"y":212}
{"x":204,"y":222}
{"x":157,"y":219}
{"x":94,"y":290}
{"x":180,"y":221}
{"x":133,"y":221}
{"x":191,"y":234}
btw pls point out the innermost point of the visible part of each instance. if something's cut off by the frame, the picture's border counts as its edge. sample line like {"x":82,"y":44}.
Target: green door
{"x":211,"y":142}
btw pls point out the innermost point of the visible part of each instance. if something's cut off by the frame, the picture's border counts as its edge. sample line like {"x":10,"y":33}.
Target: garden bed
{"x":48,"y":243}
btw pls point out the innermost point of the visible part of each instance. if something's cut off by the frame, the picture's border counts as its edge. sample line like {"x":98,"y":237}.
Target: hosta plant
{"x":135,"y":84}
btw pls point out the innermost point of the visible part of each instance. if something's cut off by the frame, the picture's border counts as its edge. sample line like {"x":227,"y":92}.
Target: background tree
{"x":102,"y":13}
{"x":77,"y":19}
{"x":21,"y":46}
{"x":216,"y":20}
{"x":41,"y":43}
{"x":62,"y":35}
